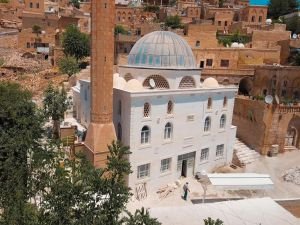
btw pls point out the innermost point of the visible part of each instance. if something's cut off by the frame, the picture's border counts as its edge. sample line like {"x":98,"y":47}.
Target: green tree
{"x":20,"y":134}
{"x":210,"y":221}
{"x":75,"y":3}
{"x":55,"y":104}
{"x":140,"y":217}
{"x":173,"y":21}
{"x":279,"y":8}
{"x":221,"y":3}
{"x":68,"y":65}
{"x":293,"y":24}
{"x":36,"y":29}
{"x":297,"y":59}
{"x":151,"y":8}
{"x":75,"y":43}
{"x":119,"y":29}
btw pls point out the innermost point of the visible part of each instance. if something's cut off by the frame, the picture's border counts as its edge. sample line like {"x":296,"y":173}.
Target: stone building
{"x":275,"y":126}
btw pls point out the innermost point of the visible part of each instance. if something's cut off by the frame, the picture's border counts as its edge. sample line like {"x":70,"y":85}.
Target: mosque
{"x":175,"y":124}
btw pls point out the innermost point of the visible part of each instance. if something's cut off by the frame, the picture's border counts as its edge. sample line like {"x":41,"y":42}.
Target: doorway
{"x":290,"y":138}
{"x":184,"y":168}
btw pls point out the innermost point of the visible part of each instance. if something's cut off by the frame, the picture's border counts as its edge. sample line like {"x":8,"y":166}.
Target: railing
{"x":289,"y":109}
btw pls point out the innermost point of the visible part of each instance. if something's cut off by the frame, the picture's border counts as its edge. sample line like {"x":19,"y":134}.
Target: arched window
{"x":160,"y":82}
{"x":197,"y":43}
{"x":209,"y":103}
{"x":168,"y":131}
{"x":170,"y":107}
{"x":119,"y":132}
{"x":223,"y":121}
{"x":207,"y":124}
{"x":146,"y":109}
{"x":187,"y":82}
{"x":225,"y":102}
{"x":145,"y":135}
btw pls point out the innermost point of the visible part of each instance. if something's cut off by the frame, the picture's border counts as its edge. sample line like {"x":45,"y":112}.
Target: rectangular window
{"x":204,"y":154}
{"x":209,"y":62}
{"x":224,"y":63}
{"x":28,"y":45}
{"x":201,"y":64}
{"x":219,"y":23}
{"x":260,"y":19}
{"x":165,"y":165}
{"x":220,"y":151}
{"x":225,"y":24}
{"x":143,"y":171}
{"x":253,"y":19}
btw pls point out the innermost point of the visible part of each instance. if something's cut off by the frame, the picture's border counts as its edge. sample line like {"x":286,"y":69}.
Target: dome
{"x":119,"y":82}
{"x":210,"y":83}
{"x":133,"y":85}
{"x":241,"y":45}
{"x":268,"y":21}
{"x":234,"y":45}
{"x":163,"y":49}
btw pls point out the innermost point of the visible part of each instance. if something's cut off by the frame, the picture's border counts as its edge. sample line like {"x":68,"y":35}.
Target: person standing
{"x":185,"y":190}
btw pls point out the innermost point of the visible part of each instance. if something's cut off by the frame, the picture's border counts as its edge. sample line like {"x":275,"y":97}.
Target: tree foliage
{"x":279,"y":8}
{"x":75,"y":3}
{"x":55,"y":104}
{"x":119,"y":29}
{"x":20,"y":133}
{"x":41,"y":186}
{"x":210,"y":221}
{"x":293,"y":24}
{"x":75,"y":43}
{"x":173,"y":21}
{"x":151,"y":8}
{"x":68,"y":65}
{"x":36,"y":29}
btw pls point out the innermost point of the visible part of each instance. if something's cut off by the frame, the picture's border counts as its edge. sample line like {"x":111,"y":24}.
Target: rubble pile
{"x":292,"y":175}
{"x":16,"y":62}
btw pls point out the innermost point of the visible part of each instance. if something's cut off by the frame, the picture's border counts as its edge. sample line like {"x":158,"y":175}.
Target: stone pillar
{"x":101,"y":131}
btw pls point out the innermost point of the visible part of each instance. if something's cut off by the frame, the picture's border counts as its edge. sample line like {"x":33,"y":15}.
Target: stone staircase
{"x":243,"y":155}
{"x":290,"y":148}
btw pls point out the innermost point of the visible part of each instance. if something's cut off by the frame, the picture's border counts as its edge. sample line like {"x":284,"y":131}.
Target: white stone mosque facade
{"x":174,"y":124}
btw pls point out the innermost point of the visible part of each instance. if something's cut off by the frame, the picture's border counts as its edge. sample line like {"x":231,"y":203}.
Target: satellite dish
{"x":269,"y":99}
{"x":152,"y":83}
{"x":277,"y":99}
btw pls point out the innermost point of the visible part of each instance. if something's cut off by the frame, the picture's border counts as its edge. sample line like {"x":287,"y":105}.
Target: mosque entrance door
{"x":184,"y":168}
{"x":185,"y":164}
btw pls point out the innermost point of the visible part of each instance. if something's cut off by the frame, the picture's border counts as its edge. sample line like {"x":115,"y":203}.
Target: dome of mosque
{"x":162,"y":49}
{"x":210,"y":83}
{"x":133,"y":85}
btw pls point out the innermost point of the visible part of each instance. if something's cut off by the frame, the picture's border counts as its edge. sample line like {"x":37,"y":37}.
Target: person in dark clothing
{"x":185,"y":190}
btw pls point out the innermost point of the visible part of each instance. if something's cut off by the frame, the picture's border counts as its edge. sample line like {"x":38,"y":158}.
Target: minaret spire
{"x":101,"y":131}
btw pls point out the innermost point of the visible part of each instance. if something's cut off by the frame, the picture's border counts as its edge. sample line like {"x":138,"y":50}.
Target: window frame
{"x":207,"y":125}
{"x":143,"y":173}
{"x":164,"y":168}
{"x":145,"y":135}
{"x":168,"y":131}
{"x":220,"y":151}
{"x":204,"y":155}
{"x":223,"y":121}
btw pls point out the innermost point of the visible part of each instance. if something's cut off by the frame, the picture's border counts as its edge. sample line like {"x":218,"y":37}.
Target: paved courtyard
{"x":275,"y":167}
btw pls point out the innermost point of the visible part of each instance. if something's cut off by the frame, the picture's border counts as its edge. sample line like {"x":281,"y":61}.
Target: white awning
{"x":240,"y":181}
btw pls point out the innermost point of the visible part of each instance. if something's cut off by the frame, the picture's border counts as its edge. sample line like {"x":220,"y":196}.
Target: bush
{"x":173,"y":21}
{"x":68,"y":65}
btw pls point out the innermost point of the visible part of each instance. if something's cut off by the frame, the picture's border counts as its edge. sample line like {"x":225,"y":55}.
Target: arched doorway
{"x":245,"y":86}
{"x":290,"y":137}
{"x":292,"y":133}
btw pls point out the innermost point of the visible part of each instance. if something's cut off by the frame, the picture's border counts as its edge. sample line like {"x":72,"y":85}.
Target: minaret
{"x":101,"y":131}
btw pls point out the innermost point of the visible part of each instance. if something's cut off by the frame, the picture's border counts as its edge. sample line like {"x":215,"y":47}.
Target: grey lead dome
{"x":163,"y":49}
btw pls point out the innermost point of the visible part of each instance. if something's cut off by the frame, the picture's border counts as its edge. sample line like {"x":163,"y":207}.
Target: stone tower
{"x":101,"y":131}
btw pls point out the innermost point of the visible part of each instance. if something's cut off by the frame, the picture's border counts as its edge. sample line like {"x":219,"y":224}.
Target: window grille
{"x":220,"y":151}
{"x":165,"y":165}
{"x":146,"y":110}
{"x":204,"y":154}
{"x":187,"y":82}
{"x":225,"y":102}
{"x":160,"y":82}
{"x":143,"y":171}
{"x":209,"y":103}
